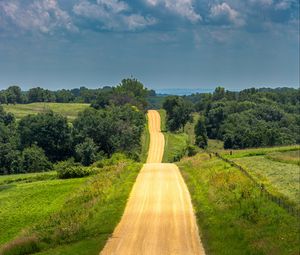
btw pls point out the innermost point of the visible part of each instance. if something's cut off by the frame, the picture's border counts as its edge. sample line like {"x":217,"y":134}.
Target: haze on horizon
{"x":166,"y":44}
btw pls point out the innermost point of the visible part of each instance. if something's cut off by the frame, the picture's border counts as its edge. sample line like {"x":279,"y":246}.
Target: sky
{"x":183,"y":44}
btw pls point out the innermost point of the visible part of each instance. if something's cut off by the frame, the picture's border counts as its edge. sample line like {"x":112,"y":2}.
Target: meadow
{"x":277,"y":168}
{"x":72,"y":216}
{"x":27,"y":199}
{"x":230,"y":211}
{"x":69,"y":110}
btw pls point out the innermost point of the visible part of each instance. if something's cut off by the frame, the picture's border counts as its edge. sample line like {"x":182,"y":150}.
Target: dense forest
{"x":113,"y":123}
{"x":249,"y":118}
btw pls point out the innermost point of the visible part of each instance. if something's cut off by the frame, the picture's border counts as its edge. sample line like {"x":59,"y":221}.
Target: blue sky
{"x":196,"y":44}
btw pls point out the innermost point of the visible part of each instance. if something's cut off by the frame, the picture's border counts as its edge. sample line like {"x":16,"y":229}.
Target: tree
{"x":35,"y":160}
{"x":50,"y":131}
{"x":10,"y":159}
{"x":115,"y":128}
{"x":130,"y":91}
{"x":219,"y":93}
{"x":3,"y":97}
{"x":102,"y":100}
{"x":86,"y":152}
{"x":200,"y":133}
{"x":179,"y":112}
{"x":14,"y":95}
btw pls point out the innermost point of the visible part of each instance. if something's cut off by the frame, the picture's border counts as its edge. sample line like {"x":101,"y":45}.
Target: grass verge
{"x":233,"y":217}
{"x":145,"y":142}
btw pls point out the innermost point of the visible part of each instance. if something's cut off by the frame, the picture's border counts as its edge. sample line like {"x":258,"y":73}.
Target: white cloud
{"x":43,"y":15}
{"x":112,"y":14}
{"x":114,"y":5}
{"x":283,"y":5}
{"x":184,"y":8}
{"x":136,"y":21}
{"x":224,"y":13}
{"x":261,"y":2}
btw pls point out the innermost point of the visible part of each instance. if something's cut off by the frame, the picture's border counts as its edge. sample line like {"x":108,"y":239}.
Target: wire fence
{"x":264,"y":192}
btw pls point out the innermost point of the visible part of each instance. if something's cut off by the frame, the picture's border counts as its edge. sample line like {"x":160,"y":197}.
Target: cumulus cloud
{"x":112,"y":15}
{"x":184,"y":8}
{"x":224,"y":14}
{"x":43,"y":15}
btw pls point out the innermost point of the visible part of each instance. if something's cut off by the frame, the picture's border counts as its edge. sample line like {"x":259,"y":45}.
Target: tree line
{"x":249,"y":118}
{"x":113,"y":123}
{"x":128,"y":90}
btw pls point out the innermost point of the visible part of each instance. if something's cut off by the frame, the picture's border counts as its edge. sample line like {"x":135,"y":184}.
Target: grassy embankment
{"x":175,"y":143}
{"x":69,"y":110}
{"x":233,"y":216}
{"x":74,"y":216}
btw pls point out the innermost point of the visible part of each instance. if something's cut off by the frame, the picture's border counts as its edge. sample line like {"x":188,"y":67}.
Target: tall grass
{"x":289,"y":157}
{"x":232,"y":215}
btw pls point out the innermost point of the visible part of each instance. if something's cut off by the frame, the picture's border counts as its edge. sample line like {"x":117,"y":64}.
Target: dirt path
{"x":159,"y":218}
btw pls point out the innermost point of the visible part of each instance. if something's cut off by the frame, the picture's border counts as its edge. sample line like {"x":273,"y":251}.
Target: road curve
{"x":159,"y":217}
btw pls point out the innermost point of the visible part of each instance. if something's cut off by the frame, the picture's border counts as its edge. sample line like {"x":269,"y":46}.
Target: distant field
{"x":69,"y":110}
{"x":25,"y":201}
{"x":277,"y":168}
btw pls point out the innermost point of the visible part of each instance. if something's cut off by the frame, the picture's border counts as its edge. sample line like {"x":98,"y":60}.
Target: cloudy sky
{"x":163,"y":43}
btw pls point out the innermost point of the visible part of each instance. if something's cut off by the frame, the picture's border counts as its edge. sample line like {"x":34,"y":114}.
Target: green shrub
{"x":86,"y":152}
{"x":191,"y":150}
{"x":35,"y":160}
{"x":113,"y":160}
{"x":69,"y":169}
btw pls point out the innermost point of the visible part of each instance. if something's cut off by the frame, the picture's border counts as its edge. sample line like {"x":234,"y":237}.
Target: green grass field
{"x":25,"y":201}
{"x":69,"y":110}
{"x":74,"y":216}
{"x":232,"y":215}
{"x":279,"y":178}
{"x":277,"y":168}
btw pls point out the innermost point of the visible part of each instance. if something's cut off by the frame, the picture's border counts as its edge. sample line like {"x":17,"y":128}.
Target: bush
{"x":69,"y":169}
{"x":113,"y":160}
{"x":86,"y":152}
{"x":34,"y":160}
{"x":191,"y":150}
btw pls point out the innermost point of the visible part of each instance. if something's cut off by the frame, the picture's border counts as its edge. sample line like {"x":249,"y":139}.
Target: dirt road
{"x":159,"y":218}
